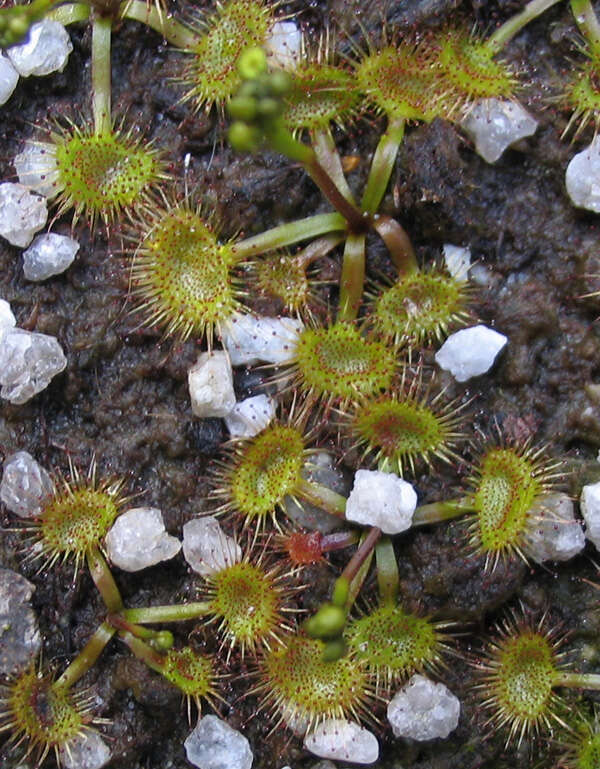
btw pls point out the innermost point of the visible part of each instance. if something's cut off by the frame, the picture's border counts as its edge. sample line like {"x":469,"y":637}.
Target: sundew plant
{"x":286,"y":213}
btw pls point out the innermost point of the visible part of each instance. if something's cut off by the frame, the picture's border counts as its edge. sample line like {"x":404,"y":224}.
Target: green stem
{"x":359,"y":578}
{"x":70,"y":13}
{"x":170,"y":613}
{"x":101,"y":34}
{"x":514,"y":25}
{"x":322,"y":497}
{"x":317,"y":249}
{"x":104,"y":580}
{"x":356,"y":221}
{"x":352,"y":280}
{"x":382,"y":166}
{"x":281,"y":140}
{"x":578,"y":680}
{"x":87,"y":656}
{"x":388,"y":578}
{"x":395,"y":238}
{"x":329,"y":158}
{"x":161,"y":639}
{"x":436,"y":512}
{"x":588,"y":24}
{"x":289,"y":233}
{"x":144,"y":652}
{"x":172,"y":30}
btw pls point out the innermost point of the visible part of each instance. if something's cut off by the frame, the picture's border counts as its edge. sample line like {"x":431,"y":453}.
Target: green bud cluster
{"x":16,"y":22}
{"x":329,"y":622}
{"x":259,"y":102}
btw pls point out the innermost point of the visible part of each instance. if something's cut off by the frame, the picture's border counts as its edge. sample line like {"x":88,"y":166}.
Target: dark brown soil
{"x":123,"y":398}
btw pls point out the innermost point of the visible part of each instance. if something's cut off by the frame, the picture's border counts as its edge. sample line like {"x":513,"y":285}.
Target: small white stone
{"x":250,"y":416}
{"x":213,"y":744}
{"x":48,"y":255}
{"x":470,"y":352}
{"x":583,"y":177}
{"x":210,"y":382}
{"x":22,"y":214}
{"x":25,"y":485}
{"x":590,"y":509}
{"x":36,"y":168}
{"x":458,"y":261}
{"x":9,"y":77}
{"x":553,"y":534}
{"x":47,"y":50}
{"x":138,"y":539}
{"x":207,"y":548}
{"x":381,"y":499}
{"x":283,"y":45}
{"x":250,"y":339}
{"x":423,"y":710}
{"x":7,"y":319}
{"x":28,"y":361}
{"x":342,"y":740}
{"x":481,"y":275}
{"x":86,"y":750}
{"x":20,"y":639}
{"x":494,"y":125}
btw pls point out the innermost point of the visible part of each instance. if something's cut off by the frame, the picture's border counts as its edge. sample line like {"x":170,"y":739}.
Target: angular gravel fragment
{"x":48,"y":255}
{"x":22,"y":214}
{"x":20,"y":640}
{"x":28,"y":361}
{"x":25,"y":485}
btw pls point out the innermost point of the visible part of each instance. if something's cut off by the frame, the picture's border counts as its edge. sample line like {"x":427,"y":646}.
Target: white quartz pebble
{"x":20,"y":639}
{"x":458,"y":261}
{"x":48,"y":255}
{"x":46,"y":50}
{"x":9,"y":77}
{"x":381,"y":499}
{"x":590,"y":509}
{"x":87,"y":750}
{"x":210,"y":382}
{"x":423,"y":710}
{"x":553,"y":534}
{"x":583,"y":177}
{"x":250,"y":416}
{"x":250,"y":339}
{"x":494,"y":125}
{"x":36,"y":168}
{"x":342,"y":740}
{"x":213,"y":744}
{"x":7,"y":319}
{"x":470,"y":352}
{"x":22,"y":214}
{"x":28,"y":361}
{"x":25,"y":485}
{"x":283,"y":45}
{"x":207,"y":548}
{"x":138,"y":539}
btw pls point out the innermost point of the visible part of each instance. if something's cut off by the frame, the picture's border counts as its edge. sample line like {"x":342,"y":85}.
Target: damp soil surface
{"x":123,"y":398}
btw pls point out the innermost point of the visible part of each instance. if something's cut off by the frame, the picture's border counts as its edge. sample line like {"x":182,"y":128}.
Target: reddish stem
{"x":361,"y":553}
